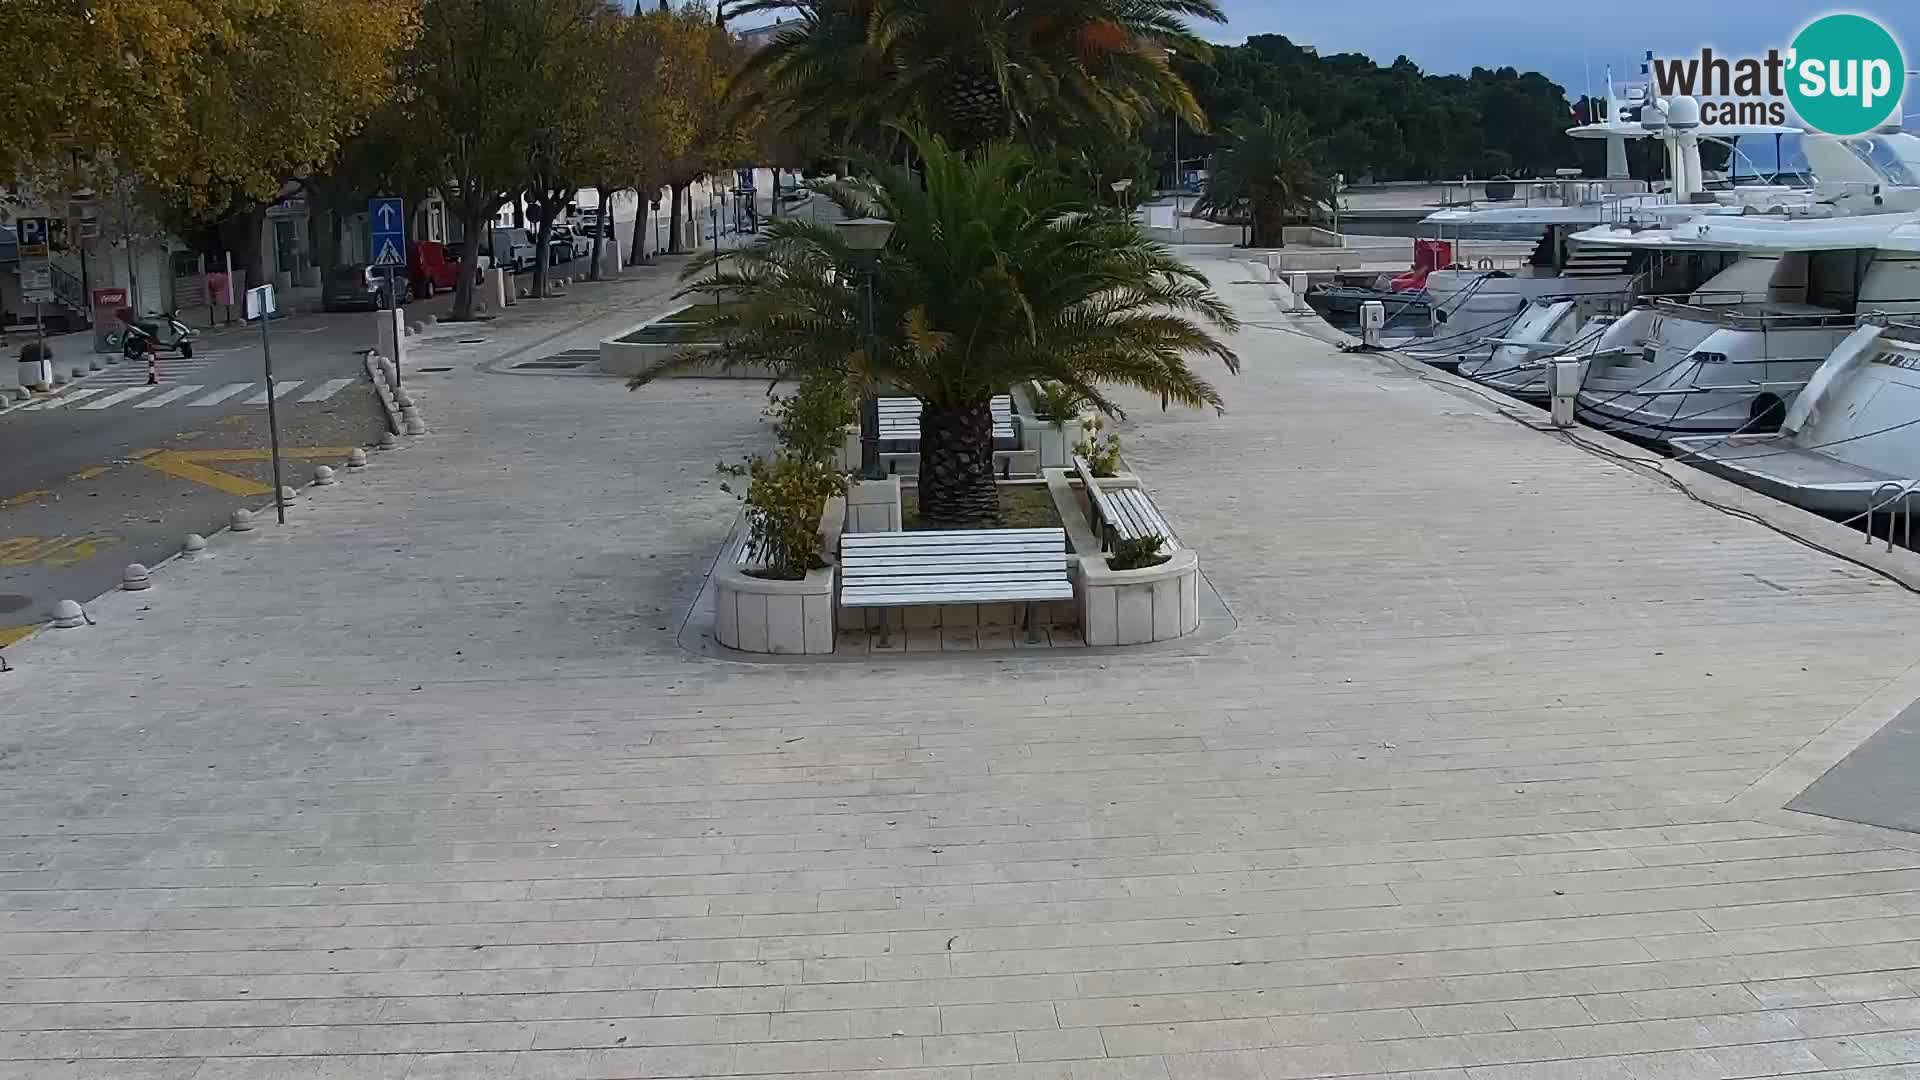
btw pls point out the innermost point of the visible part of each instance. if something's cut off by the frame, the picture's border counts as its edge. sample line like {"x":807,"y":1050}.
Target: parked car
{"x":359,"y":286}
{"x":587,"y":221}
{"x":512,"y":249}
{"x":432,"y":267}
{"x":578,"y":245}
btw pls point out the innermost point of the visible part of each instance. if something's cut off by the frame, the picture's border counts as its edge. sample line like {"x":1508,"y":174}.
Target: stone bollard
{"x":289,"y":493}
{"x":323,"y":477}
{"x":67,"y":615}
{"x":357,"y":459}
{"x":242,"y":521}
{"x":412,"y":423}
{"x":387,"y":441}
{"x":93,"y":362}
{"x":134,"y":578}
{"x":403,"y":399}
{"x":194,"y":546}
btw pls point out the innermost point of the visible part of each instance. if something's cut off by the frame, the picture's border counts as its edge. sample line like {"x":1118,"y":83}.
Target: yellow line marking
{"x":89,"y":474}
{"x":142,"y":455}
{"x":53,"y":550}
{"x":11,"y":634}
{"x":25,"y":497}
{"x":186,"y":465}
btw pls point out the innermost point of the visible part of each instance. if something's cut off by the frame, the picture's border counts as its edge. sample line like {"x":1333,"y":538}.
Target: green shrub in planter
{"x":35,"y":351}
{"x":1058,"y":402}
{"x":811,"y":422}
{"x":785,"y":498}
{"x":1101,"y":451}
{"x":1136,"y":554}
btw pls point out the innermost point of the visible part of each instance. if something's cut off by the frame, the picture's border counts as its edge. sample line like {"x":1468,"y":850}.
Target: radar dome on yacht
{"x":1683,"y":113}
{"x":1654,"y":116}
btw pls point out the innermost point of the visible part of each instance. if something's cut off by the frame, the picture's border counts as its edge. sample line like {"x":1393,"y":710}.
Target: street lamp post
{"x":869,"y":237}
{"x":1179,"y":171}
{"x":1120,"y":192}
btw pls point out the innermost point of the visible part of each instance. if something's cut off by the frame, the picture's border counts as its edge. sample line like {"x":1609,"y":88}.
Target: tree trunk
{"x":255,"y":249}
{"x":956,"y":468}
{"x":474,"y":221}
{"x":675,"y":216}
{"x":519,"y":210}
{"x":600,"y":228}
{"x":542,"y":237}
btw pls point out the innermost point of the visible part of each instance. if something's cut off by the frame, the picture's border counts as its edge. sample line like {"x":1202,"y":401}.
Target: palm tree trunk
{"x":956,"y":468}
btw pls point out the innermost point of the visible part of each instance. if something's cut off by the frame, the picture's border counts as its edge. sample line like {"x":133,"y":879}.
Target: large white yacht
{"x":1776,"y":279}
{"x":1468,"y":304}
{"x":1850,"y":443}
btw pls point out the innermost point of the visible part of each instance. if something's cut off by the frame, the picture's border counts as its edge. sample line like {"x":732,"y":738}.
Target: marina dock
{"x":1488,"y":783}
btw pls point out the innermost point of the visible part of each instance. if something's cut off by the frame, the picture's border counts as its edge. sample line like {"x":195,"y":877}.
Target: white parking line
{"x":280,"y":390}
{"x":65,"y":399}
{"x":220,"y":395}
{"x":116,"y":398}
{"x":327,"y":389}
{"x":171,"y":395}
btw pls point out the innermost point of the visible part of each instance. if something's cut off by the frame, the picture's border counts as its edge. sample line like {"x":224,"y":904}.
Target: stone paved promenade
{"x":1486,"y":785}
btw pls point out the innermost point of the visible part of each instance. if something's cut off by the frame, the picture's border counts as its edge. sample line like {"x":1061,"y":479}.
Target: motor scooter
{"x":140,"y":334}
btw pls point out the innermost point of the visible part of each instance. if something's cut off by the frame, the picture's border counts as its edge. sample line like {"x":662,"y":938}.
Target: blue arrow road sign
{"x":387,"y":231}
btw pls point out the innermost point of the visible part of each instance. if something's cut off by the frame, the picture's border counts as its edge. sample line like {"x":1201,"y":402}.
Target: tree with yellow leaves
{"x":208,"y":102}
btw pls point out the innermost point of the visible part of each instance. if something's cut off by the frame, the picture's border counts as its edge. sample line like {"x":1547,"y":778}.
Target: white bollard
{"x":242,"y":521}
{"x":357,"y":459}
{"x":67,"y":615}
{"x":134,"y":578}
{"x":387,"y":441}
{"x":323,"y":477}
{"x":193,"y":546}
{"x":411,"y":420}
{"x":288,"y":493}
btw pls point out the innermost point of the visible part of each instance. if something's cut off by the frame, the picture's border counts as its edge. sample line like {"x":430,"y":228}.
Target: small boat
{"x":1341,"y":303}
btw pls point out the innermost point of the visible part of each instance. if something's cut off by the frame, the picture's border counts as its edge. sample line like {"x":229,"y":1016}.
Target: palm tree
{"x":1265,"y":174}
{"x":973,"y":71}
{"x":989,"y":278}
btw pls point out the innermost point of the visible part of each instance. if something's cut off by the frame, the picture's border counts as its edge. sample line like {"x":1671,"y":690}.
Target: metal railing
{"x":1749,"y":320}
{"x":1559,"y":192}
{"x":1899,"y":510}
{"x":68,"y":290}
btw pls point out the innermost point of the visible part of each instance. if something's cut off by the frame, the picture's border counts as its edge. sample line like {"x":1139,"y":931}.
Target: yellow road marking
{"x":53,"y":550}
{"x":25,"y":497}
{"x":187,"y":465}
{"x":89,"y":474}
{"x":142,"y":455}
{"x":11,"y":634}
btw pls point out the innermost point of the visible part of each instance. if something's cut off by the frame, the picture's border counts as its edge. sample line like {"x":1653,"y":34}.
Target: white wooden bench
{"x":1122,"y":513}
{"x":900,"y":419}
{"x":888,"y":570}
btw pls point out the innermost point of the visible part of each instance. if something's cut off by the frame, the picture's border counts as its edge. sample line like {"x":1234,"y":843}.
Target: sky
{"x":1563,"y":39}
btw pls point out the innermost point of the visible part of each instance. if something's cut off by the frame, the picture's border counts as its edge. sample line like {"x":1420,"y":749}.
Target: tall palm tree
{"x":973,"y":71}
{"x":988,"y":279}
{"x":1265,"y":174}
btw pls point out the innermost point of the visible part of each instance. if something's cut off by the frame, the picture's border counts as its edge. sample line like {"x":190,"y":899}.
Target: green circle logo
{"x":1846,"y":74}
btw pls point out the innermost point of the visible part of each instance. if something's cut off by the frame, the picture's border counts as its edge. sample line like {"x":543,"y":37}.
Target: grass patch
{"x":1024,"y":507}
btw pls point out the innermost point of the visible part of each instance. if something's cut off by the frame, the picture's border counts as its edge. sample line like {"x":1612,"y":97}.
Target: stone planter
{"x":1124,"y":607}
{"x":1135,"y":607}
{"x":651,"y":343}
{"x":756,"y":615}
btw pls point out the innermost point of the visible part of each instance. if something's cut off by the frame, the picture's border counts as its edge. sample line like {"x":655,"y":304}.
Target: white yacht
{"x":1717,"y":256}
{"x":1733,"y":354}
{"x":1468,"y":304}
{"x":1851,"y":441}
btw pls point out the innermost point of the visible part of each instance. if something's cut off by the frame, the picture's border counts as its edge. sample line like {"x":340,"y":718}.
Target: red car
{"x":431,"y":267}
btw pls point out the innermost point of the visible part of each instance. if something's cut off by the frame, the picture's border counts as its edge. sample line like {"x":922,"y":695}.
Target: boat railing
{"x":1905,"y":328}
{"x":1553,"y":192}
{"x":1734,"y":319}
{"x":1898,"y":507}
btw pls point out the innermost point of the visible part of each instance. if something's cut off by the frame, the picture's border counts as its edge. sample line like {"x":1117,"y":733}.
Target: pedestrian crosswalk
{"x":92,"y":398}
